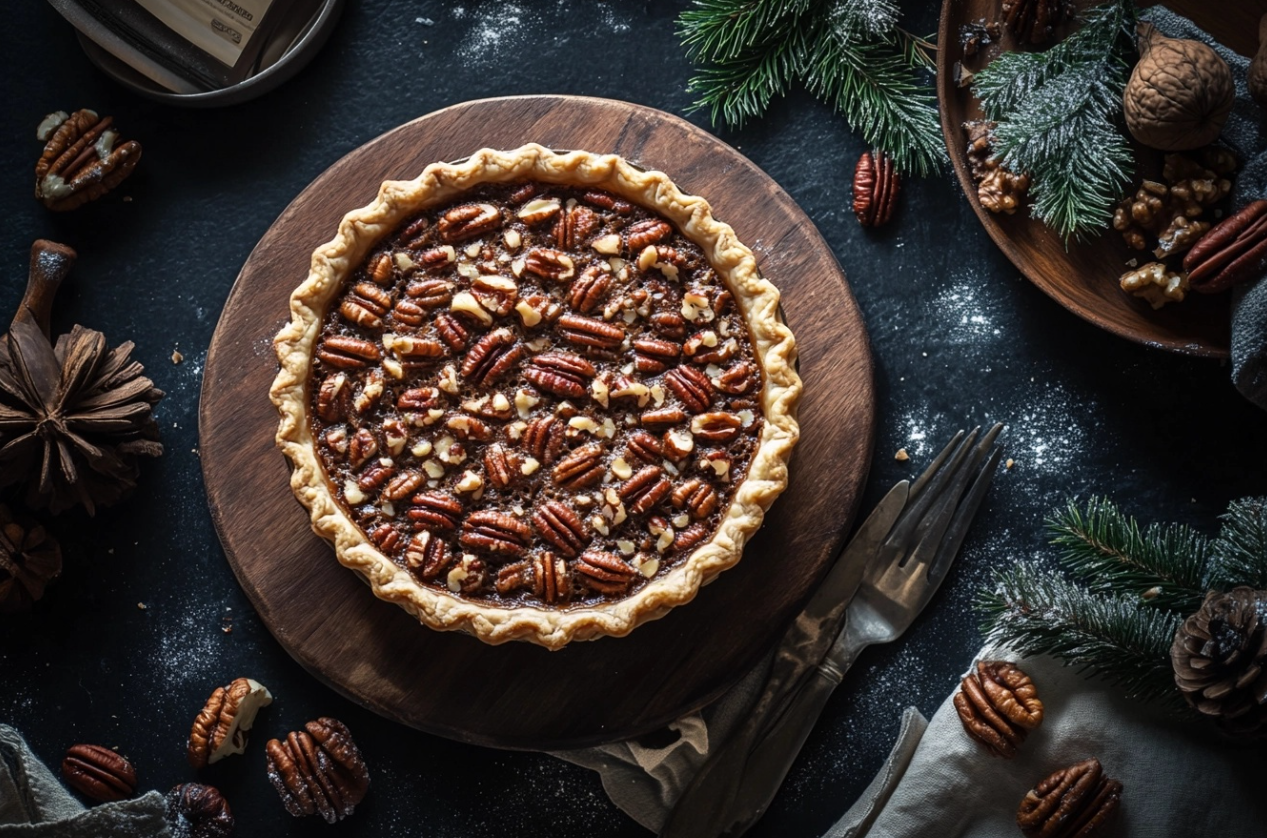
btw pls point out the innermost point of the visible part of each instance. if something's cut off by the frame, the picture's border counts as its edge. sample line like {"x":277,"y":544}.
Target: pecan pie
{"x":536,"y":395}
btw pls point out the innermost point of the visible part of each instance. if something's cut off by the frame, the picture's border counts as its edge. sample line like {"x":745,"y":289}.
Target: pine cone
{"x":1220,"y":659}
{"x":29,"y":559}
{"x":74,"y":418}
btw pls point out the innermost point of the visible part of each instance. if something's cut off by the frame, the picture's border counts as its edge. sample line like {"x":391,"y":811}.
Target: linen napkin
{"x":34,"y":805}
{"x":1245,"y":134}
{"x":1180,"y":777}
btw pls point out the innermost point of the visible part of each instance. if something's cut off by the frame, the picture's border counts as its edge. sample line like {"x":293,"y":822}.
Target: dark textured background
{"x":959,"y":337}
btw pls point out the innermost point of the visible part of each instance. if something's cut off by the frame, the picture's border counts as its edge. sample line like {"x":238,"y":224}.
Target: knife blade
{"x":713,"y":788}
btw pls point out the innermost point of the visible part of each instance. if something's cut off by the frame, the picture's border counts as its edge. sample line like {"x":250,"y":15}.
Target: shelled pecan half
{"x":82,"y":159}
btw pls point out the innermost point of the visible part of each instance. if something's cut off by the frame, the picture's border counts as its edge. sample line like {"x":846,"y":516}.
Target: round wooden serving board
{"x":1083,"y":277}
{"x":520,"y":695}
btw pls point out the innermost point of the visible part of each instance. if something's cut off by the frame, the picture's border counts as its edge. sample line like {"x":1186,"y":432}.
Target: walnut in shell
{"x":1179,"y":94}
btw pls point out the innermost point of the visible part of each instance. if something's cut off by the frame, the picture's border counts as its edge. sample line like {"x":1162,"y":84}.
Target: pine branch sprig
{"x":1109,"y":637}
{"x":1107,"y":551}
{"x":849,"y":53}
{"x":1056,"y":115}
{"x":1240,"y":550}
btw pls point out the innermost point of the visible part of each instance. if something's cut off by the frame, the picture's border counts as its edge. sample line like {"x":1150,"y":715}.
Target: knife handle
{"x":773,"y":754}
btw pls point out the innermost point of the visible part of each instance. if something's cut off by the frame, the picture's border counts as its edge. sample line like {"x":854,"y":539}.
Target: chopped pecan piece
{"x":590,"y":332}
{"x":435,"y":510}
{"x":647,"y":488}
{"x":605,"y":572}
{"x":583,"y":467}
{"x":697,"y":497}
{"x":691,"y":386}
{"x":560,"y":373}
{"x":348,"y":353}
{"x":590,"y":288}
{"x":491,"y":357}
{"x":543,"y":439}
{"x":560,"y":526}
{"x":427,"y":555}
{"x":468,"y":221}
{"x":495,"y":532}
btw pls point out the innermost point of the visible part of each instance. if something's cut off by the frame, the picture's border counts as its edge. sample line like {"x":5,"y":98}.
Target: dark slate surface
{"x":959,"y":337}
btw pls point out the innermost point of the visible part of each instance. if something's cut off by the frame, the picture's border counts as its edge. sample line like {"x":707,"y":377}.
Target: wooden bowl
{"x":1083,"y":277}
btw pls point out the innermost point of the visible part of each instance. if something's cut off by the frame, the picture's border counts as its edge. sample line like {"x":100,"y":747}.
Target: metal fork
{"x":734,"y":788}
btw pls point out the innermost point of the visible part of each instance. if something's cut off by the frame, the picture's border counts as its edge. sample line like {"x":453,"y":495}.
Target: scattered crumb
{"x":140,"y":605}
{"x":1010,"y":462}
{"x":901,"y":456}
{"x":177,"y":357}
{"x":127,"y":199}
{"x":1132,"y":263}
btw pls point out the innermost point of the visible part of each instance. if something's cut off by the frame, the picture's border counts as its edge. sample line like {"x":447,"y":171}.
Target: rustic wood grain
{"x":520,"y":695}
{"x":1084,"y":277}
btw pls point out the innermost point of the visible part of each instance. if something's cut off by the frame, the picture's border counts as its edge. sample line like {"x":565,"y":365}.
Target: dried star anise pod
{"x":29,"y":559}
{"x":75,"y":417}
{"x":81,"y":161}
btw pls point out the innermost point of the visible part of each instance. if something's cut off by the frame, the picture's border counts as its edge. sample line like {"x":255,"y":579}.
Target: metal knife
{"x":710,"y":794}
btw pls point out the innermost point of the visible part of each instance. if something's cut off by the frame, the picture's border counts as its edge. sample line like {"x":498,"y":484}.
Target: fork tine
{"x":965,"y":513}
{"x":918,"y":486}
{"x":916,"y":513}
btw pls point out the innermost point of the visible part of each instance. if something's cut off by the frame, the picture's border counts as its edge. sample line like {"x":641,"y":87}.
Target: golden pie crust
{"x":756,"y":299}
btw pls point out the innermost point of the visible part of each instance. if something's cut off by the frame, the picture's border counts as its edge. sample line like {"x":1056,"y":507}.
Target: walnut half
{"x":221,"y":727}
{"x":1156,"y":283}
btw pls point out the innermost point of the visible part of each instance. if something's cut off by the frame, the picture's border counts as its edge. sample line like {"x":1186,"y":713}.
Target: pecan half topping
{"x":583,"y":467}
{"x":605,"y":572}
{"x":366,"y":305}
{"x":652,"y":355}
{"x":716,"y":426}
{"x":574,"y":226}
{"x":430,"y":293}
{"x":419,"y":398}
{"x":435,"y":510}
{"x":403,"y":485}
{"x":496,"y":533}
{"x":670,"y":324}
{"x":641,"y":234}
{"x":645,"y":447}
{"x":380,"y":269}
{"x":416,"y":351}
{"x":587,"y":331}
{"x":386,"y":537}
{"x":334,"y":398}
{"x":738,"y":379}
{"x":468,"y":221}
{"x":545,"y":574}
{"x":560,"y":373}
{"x":500,"y":466}
{"x":491,"y":357}
{"x":590,"y":289}
{"x":363,"y":446}
{"x":408,"y":313}
{"x":686,"y":539}
{"x":427,"y":555}
{"x":645,"y":489}
{"x":561,"y":527}
{"x":348,"y":353}
{"x":436,"y":257}
{"x":691,"y":386}
{"x":374,"y":476}
{"x":544,"y":438}
{"x":697,"y":497}
{"x":453,"y":331}
{"x":607,"y":201}
{"x":665,"y":417}
{"x":549,"y":264}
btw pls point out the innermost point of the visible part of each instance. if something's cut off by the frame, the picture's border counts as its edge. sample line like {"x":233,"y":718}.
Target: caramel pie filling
{"x":536,"y":395}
